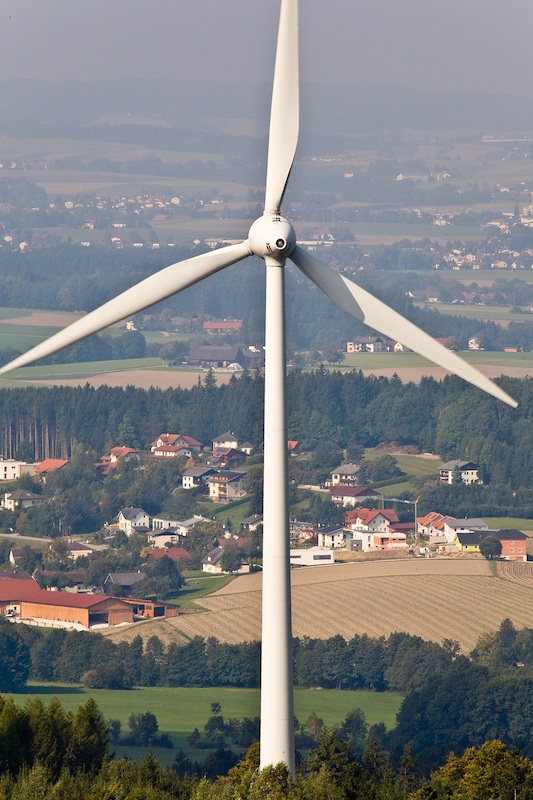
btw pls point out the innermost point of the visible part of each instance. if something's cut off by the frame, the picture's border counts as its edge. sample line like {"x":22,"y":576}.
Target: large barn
{"x":26,"y":599}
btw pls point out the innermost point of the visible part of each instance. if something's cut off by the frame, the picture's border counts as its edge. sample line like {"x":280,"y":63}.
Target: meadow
{"x":180,"y":710}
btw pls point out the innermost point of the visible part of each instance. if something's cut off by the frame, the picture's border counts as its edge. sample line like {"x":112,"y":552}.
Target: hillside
{"x":437,"y":599}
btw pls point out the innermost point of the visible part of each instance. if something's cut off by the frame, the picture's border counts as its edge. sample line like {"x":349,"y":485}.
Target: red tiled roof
{"x":174,"y":553}
{"x":352,"y":491}
{"x":50,"y":464}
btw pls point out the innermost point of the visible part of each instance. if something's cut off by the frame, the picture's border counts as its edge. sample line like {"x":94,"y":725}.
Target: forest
{"x":445,"y":417}
{"x":453,"y":703}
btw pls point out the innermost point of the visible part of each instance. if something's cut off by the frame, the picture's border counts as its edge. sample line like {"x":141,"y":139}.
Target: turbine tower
{"x":273,"y":239}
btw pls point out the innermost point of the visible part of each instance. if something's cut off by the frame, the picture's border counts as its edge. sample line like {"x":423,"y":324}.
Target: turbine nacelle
{"x":272,"y":236}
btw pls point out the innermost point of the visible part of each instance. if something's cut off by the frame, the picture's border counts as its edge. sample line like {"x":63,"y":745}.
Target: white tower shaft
{"x":277,"y":715}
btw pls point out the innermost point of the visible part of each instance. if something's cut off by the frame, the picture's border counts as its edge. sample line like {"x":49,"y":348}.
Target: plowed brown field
{"x":457,"y":598}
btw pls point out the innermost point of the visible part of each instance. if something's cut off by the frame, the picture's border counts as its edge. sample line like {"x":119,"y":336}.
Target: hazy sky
{"x":466,"y":45}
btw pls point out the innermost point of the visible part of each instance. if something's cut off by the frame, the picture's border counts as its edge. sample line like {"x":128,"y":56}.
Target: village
{"x":59,"y":592}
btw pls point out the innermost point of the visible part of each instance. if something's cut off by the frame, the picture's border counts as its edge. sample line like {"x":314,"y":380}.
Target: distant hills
{"x":42,"y":108}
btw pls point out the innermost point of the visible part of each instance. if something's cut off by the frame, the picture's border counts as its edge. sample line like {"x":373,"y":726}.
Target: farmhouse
{"x":467,"y":471}
{"x":366,"y":344}
{"x":345,"y":475}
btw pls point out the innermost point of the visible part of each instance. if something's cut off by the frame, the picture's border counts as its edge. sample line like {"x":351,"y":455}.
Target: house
{"x":226,"y":486}
{"x":252,"y":522}
{"x":513,"y":542}
{"x":195,"y":477}
{"x":371,"y":519}
{"x":119,"y":583}
{"x":164,"y":538}
{"x":178,"y":554}
{"x":332,"y":536}
{"x":120,"y":454}
{"x":366,"y":541}
{"x":11,"y":470}
{"x":345,"y":475}
{"x":212,"y":562}
{"x":16,"y":553}
{"x":175,"y":527}
{"x":176,"y":440}
{"x":227,"y":457}
{"x":44,"y":468}
{"x":453,"y":527}
{"x":400,"y":348}
{"x":294,"y":447}
{"x":77,"y":549}
{"x":20,"y":499}
{"x":227,"y":439}
{"x":213,"y":356}
{"x":222,"y":325}
{"x":352,"y":495}
{"x":466,"y":469}
{"x":377,"y":529}
{"x":366,"y":344}
{"x":311,"y":557}
{"x":133,"y":520}
{"x":171,"y":451}
{"x":431,"y":526}
{"x":116,"y":455}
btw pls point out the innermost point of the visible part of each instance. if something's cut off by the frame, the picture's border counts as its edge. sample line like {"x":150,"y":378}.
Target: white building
{"x":312,"y":557}
{"x":11,"y":470}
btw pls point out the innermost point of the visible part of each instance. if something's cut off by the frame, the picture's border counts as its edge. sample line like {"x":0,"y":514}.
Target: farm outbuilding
{"x":82,"y":609}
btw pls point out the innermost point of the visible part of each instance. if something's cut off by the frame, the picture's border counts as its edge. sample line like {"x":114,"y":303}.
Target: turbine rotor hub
{"x":272,"y":235}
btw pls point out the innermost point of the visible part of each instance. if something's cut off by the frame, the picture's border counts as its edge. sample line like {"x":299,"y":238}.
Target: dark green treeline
{"x":447,"y":417}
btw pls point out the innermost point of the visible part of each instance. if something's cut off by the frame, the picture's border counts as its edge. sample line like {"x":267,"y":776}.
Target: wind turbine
{"x":272,"y":238}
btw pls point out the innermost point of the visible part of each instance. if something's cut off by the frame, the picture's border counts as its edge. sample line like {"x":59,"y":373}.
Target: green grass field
{"x":199,"y":585}
{"x":506,"y":523}
{"x":180,"y":710}
{"x":398,"y":361}
{"x":82,"y":370}
{"x":500,"y":314}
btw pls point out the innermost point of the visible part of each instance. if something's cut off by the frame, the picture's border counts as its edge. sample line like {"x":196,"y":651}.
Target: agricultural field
{"x":437,"y":599}
{"x":501,"y":315}
{"x":180,"y":710}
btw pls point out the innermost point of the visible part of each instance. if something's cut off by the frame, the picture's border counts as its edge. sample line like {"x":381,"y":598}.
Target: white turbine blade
{"x":284,"y":114}
{"x":151,"y":290}
{"x":377,"y":315}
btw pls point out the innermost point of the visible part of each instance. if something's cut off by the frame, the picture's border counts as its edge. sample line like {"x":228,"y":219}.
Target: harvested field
{"x":437,"y":599}
{"x":141,"y":378}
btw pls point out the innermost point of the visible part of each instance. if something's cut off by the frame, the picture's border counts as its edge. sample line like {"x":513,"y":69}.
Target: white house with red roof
{"x":375,"y":529}
{"x":175,"y":440}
